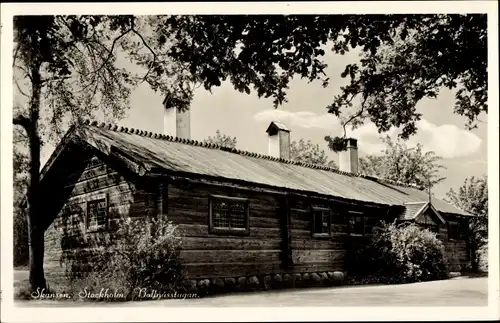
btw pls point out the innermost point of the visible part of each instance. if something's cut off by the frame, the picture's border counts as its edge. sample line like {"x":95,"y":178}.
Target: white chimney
{"x":279,"y":140}
{"x":175,"y":122}
{"x":348,"y":159}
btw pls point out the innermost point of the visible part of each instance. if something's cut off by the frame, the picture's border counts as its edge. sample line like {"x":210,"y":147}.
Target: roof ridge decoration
{"x":143,"y":133}
{"x":414,"y":203}
{"x":388,"y":181}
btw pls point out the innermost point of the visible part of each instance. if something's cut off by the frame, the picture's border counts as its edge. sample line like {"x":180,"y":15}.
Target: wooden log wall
{"x":457,"y":254}
{"x":456,"y":250}
{"x":67,"y":236}
{"x":317,"y":254}
{"x":280,"y":238}
{"x":225,"y":255}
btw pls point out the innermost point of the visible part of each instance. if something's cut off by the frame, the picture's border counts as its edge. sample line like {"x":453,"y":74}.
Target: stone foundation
{"x":265,"y":282}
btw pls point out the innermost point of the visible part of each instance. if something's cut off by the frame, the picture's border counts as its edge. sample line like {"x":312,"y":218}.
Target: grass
{"x":56,"y":283}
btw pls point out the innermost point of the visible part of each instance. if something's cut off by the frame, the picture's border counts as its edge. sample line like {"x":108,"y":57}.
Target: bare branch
{"x":26,"y":74}
{"x":94,"y":92}
{"x":20,"y":137}
{"x":20,"y":90}
{"x":15,"y":55}
{"x":479,"y":120}
{"x":110,"y":51}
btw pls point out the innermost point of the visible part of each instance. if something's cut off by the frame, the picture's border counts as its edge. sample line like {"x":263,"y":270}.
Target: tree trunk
{"x":35,"y":225}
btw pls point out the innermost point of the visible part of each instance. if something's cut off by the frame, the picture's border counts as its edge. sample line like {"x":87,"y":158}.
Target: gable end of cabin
{"x":91,"y":194}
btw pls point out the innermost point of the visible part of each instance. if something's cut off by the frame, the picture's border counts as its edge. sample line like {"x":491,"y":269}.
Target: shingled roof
{"x":414,"y":209}
{"x":176,"y":155}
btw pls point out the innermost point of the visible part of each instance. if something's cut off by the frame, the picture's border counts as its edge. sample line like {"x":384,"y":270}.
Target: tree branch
{"x":22,"y":121}
{"x":94,"y":67}
{"x":20,"y":90}
{"x":110,"y":51}
{"x":479,"y":120}
{"x":15,"y":55}
{"x":149,"y":48}
{"x":26,"y":74}
{"x":357,"y":115}
{"x":55,"y":78}
{"x":197,"y":85}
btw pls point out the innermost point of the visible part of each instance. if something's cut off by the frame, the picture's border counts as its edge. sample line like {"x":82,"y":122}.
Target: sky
{"x":246,"y":117}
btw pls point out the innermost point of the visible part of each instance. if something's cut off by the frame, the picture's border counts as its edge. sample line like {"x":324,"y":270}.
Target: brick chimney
{"x":175,"y":122}
{"x":279,"y":140}
{"x":348,"y":159}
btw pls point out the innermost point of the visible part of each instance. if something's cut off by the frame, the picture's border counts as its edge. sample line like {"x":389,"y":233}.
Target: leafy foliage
{"x":402,"y":253}
{"x":424,"y":54}
{"x":76,"y":59}
{"x":307,"y":152}
{"x":248,"y":50}
{"x":336,"y":143}
{"x":143,"y":256}
{"x":472,"y":197}
{"x":221,"y":140}
{"x":404,"y":58}
{"x":402,"y":164}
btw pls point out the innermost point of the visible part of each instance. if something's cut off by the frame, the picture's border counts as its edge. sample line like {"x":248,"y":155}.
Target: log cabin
{"x":241,"y":214}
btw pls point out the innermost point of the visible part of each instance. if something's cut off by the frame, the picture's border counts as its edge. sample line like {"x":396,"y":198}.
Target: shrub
{"x":401,"y":254}
{"x":483,"y":258}
{"x":144,"y":256}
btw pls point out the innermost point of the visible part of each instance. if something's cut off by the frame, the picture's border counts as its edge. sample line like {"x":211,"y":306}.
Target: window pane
{"x":352,"y":224}
{"x":220,"y":214}
{"x":326,"y":222}
{"x":101,"y":217}
{"x":318,"y":221}
{"x":91,"y":218}
{"x":238,"y":215}
{"x":101,"y":212}
{"x":453,"y":232}
{"x":359,"y":225}
{"x":96,"y":213}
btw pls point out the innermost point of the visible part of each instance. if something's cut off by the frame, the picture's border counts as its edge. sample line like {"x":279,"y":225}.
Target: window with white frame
{"x":228,"y":215}
{"x":322,"y":221}
{"x":97,"y":213}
